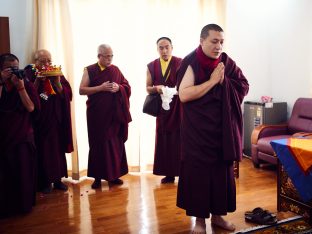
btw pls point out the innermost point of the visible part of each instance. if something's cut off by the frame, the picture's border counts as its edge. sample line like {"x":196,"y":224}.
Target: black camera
{"x":20,"y":73}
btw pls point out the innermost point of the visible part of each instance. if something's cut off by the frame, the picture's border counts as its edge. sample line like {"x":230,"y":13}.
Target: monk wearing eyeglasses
{"x":108,"y":116}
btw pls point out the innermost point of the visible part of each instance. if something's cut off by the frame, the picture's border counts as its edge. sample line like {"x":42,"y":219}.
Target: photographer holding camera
{"x":19,"y":102}
{"x":53,"y":131}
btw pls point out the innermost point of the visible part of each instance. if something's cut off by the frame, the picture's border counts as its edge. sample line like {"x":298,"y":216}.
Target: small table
{"x":294,"y":191}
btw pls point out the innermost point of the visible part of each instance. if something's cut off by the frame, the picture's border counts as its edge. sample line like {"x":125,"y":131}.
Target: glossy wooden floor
{"x":141,"y":205}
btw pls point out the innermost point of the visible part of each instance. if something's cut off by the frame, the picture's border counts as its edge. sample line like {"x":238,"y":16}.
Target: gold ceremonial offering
{"x":50,"y":70}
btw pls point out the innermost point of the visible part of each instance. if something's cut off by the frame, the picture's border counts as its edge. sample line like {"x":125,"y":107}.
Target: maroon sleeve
{"x":67,"y":123}
{"x":234,"y":88}
{"x":236,"y":81}
{"x":33,"y":95}
{"x":123,"y":106}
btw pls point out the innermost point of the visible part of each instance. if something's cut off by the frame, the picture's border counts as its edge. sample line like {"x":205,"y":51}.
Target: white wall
{"x":271,"y":41}
{"x":20,"y":18}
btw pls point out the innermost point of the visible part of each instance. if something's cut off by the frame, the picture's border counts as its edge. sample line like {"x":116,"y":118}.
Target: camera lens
{"x":18,"y":72}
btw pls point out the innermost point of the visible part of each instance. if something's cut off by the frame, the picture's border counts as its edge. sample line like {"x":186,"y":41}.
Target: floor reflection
{"x":108,"y":208}
{"x":141,"y":205}
{"x":169,"y":215}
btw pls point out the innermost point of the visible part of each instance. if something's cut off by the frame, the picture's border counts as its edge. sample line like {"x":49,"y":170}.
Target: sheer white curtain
{"x":53,"y":31}
{"x":72,"y":30}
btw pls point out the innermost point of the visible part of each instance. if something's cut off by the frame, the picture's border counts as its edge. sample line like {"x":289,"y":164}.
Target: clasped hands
{"x":110,"y":87}
{"x":217,"y":75}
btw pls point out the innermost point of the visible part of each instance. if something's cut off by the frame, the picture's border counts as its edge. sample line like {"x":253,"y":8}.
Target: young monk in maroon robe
{"x":107,"y":117}
{"x":53,"y":131}
{"x":162,"y":72}
{"x":211,"y":89}
{"x":18,"y":102}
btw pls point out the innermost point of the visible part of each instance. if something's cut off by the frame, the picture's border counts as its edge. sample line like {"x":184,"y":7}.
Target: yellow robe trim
{"x":101,"y":67}
{"x":164,"y":64}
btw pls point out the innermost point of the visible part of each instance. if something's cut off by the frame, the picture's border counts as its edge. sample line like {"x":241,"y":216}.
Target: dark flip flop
{"x":262,"y":218}
{"x":256,"y":211}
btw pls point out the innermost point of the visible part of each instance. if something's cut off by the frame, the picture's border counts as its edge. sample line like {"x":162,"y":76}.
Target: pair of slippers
{"x":260,"y":216}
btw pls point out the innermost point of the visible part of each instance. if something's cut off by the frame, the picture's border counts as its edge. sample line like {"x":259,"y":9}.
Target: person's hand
{"x":55,"y":79}
{"x":159,"y":88}
{"x":106,"y":86}
{"x":5,"y":74}
{"x":217,"y":76}
{"x":115,"y":87}
{"x":18,"y":83}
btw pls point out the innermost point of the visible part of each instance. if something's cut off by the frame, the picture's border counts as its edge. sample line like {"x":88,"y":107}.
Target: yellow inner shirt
{"x":164,"y":65}
{"x":101,"y":67}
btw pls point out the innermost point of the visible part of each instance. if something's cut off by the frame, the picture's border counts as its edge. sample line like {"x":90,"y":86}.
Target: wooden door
{"x":4,"y":35}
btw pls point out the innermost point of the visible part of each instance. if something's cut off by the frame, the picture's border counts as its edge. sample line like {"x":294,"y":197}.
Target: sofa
{"x":299,"y":121}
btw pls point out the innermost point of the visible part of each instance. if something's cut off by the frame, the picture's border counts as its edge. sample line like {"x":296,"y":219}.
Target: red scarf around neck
{"x":205,"y":61}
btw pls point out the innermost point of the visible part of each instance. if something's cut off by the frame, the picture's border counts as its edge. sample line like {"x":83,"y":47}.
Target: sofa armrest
{"x":268,"y":130}
{"x":306,"y":135}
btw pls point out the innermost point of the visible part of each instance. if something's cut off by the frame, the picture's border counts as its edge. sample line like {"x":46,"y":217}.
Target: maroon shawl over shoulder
{"x":167,"y":147}
{"x":108,"y":117}
{"x":216,"y":118}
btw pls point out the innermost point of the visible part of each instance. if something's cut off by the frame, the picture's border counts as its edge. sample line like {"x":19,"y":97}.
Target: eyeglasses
{"x":107,"y":56}
{"x":44,"y":60}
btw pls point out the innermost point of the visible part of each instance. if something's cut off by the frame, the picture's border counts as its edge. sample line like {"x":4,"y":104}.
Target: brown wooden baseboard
{"x":77,"y":175}
{"x":134,"y":168}
{"x":149,"y":167}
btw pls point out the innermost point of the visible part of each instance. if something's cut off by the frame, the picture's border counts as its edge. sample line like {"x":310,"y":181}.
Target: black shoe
{"x":167,"y":180}
{"x":116,"y":182}
{"x":47,"y":190}
{"x":96,"y":184}
{"x":60,"y":186}
{"x":256,"y":211}
{"x":261,"y":217}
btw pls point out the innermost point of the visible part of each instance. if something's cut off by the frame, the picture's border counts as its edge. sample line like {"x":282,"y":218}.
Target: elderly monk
{"x":19,"y":102}
{"x":211,"y":89}
{"x":108,"y":116}
{"x":53,"y":128}
{"x":162,"y":73}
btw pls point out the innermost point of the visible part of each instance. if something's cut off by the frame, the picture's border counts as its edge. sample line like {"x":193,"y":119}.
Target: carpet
{"x":292,"y":225}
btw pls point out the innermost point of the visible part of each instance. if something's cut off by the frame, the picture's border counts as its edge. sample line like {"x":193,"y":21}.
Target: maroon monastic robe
{"x":108,"y":117}
{"x":17,"y":152}
{"x":167,"y":142}
{"x":211,"y":135}
{"x":53,"y":133}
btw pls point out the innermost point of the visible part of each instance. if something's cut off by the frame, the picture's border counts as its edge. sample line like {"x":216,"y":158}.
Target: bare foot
{"x":220,"y":222}
{"x":200,"y":226}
